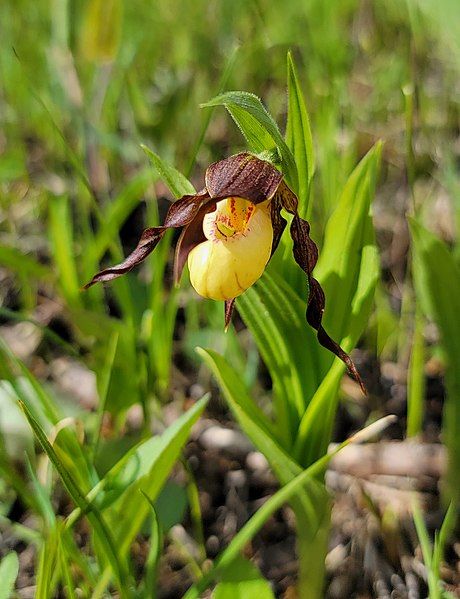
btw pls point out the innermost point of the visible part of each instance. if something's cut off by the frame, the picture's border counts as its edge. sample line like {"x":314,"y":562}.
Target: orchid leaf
{"x":257,"y":137}
{"x":245,"y":410}
{"x":319,"y":417}
{"x":251,"y":104}
{"x":276,"y":317}
{"x":247,"y":415}
{"x":178,"y":184}
{"x":348,"y":265}
{"x":348,"y":269}
{"x":311,"y":504}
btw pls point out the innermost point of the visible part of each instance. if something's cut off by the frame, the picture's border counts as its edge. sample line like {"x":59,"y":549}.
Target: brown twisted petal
{"x":244,"y":176}
{"x":278,"y":222}
{"x":229,"y":305}
{"x":180,"y":214}
{"x":306,"y":256}
{"x":190,"y":237}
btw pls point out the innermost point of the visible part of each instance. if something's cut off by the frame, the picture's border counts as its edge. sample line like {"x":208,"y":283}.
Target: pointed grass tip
{"x":373,"y":429}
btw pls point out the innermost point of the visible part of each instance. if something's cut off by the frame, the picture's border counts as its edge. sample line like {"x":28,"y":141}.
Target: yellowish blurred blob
{"x":239,"y":239}
{"x":101,"y":30}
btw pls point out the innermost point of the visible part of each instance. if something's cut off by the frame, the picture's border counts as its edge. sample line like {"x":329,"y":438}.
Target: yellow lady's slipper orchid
{"x":230,"y":230}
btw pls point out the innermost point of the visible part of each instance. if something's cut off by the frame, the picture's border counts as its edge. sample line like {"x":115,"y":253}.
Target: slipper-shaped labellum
{"x":230,"y":230}
{"x":239,"y":237}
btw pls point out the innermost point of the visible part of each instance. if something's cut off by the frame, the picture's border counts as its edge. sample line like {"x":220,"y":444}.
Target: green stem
{"x":312,"y":555}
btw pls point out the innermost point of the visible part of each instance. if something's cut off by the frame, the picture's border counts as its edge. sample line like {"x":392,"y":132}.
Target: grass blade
{"x":178,"y":184}
{"x":348,"y":266}
{"x":9,"y":569}
{"x":416,"y":378}
{"x":100,"y":528}
{"x":153,"y":558}
{"x":48,"y":572}
{"x":151,"y":462}
{"x":275,"y":316}
{"x":299,"y":138}
{"x":61,"y":236}
{"x":437,"y":272}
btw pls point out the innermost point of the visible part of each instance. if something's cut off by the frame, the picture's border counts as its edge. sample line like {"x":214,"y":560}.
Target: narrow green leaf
{"x":178,"y":184}
{"x":196,"y":515}
{"x":251,"y":104}
{"x":44,"y":410}
{"x":425,"y":545}
{"x":416,"y":378}
{"x":78,"y":497}
{"x":153,"y":558}
{"x":65,"y":568}
{"x":348,"y":266}
{"x":299,"y":138}
{"x":42,"y":498}
{"x":9,"y":569}
{"x":45,"y":403}
{"x":240,"y":580}
{"x":61,"y":238}
{"x":46,"y":572}
{"x":314,"y":431}
{"x":145,"y":470}
{"x":275,"y":316}
{"x":17,"y":261}
{"x":251,"y":419}
{"x":104,"y":382}
{"x":447,"y":528}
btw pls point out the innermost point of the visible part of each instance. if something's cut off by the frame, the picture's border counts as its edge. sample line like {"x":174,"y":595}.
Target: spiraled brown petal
{"x":315,"y":309}
{"x":244,"y":176}
{"x":180,"y":214}
{"x":190,"y":237}
{"x":305,"y":250}
{"x":306,"y":256}
{"x":278,"y":222}
{"x":229,"y":305}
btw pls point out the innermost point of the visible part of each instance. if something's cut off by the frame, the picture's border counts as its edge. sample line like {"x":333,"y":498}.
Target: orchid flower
{"x":230,"y":230}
